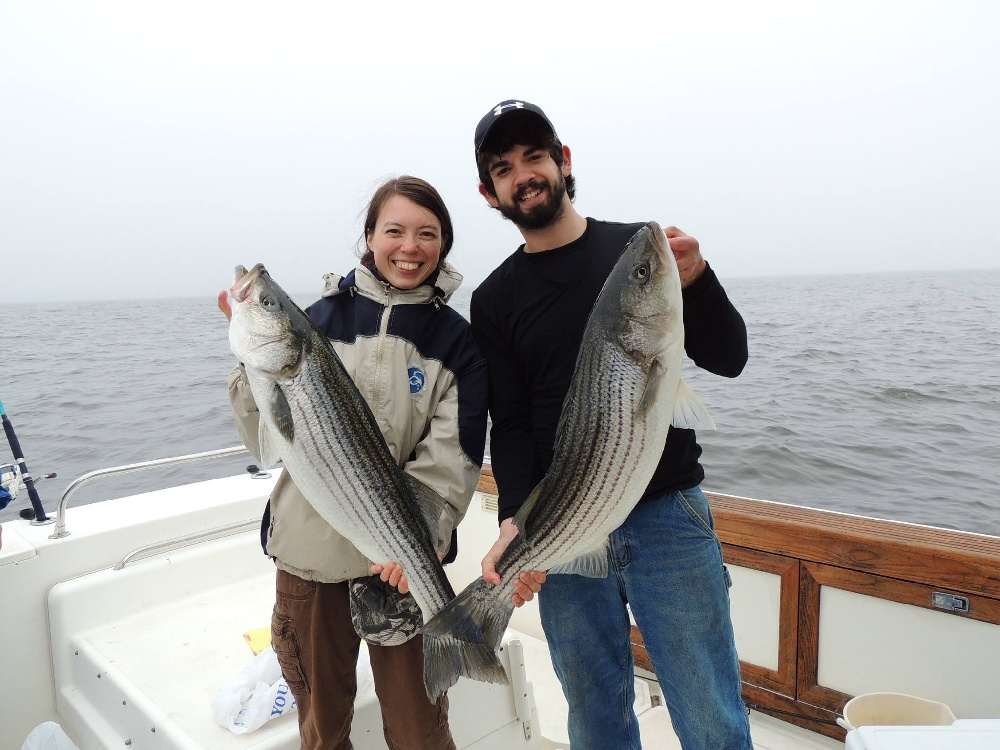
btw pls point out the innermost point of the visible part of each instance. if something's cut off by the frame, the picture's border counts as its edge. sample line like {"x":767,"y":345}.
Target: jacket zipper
{"x":380,"y":350}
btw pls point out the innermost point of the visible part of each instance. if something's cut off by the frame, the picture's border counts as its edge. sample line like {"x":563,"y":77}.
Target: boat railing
{"x":60,"y":529}
{"x":182,"y":541}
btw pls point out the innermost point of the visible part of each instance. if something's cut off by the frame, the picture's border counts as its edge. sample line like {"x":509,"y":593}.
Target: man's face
{"x":530,"y":187}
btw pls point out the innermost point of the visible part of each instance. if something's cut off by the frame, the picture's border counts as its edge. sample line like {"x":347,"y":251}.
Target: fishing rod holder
{"x":11,"y":483}
{"x":23,"y":475}
{"x":60,"y":530}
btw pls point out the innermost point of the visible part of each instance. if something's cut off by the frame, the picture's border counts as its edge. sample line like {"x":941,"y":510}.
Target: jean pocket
{"x":695,"y":504}
{"x":286,"y":648}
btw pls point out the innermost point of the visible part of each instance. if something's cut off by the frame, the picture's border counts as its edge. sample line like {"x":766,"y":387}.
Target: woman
{"x":416,"y":363}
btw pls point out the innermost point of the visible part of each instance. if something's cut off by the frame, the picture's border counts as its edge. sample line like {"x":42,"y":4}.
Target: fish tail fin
{"x":463,"y":638}
{"x":446,"y":659}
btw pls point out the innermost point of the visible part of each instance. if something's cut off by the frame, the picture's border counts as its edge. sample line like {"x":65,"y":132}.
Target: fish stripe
{"x":603,"y":441}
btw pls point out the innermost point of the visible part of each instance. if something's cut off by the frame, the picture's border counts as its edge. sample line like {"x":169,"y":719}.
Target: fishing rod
{"x":29,"y":483}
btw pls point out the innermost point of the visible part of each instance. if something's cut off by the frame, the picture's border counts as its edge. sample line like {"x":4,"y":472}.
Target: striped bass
{"x":315,"y":420}
{"x":625,"y":393}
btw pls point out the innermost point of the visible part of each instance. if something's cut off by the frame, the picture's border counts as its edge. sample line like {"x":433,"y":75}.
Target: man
{"x":529,"y":316}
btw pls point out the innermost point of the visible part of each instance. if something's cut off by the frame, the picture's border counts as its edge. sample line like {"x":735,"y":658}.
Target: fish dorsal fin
{"x":431,"y":504}
{"x":590,"y":564}
{"x":689,"y":412}
{"x":523,"y":517}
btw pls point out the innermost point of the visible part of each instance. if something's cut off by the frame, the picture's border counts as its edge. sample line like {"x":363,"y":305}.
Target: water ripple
{"x":877,"y":395}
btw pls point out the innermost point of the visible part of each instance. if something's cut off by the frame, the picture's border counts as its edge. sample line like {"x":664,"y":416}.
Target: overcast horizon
{"x":148,"y":148}
{"x":304,"y":297}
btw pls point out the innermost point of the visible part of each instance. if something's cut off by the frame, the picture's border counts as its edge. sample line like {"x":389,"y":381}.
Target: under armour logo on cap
{"x":504,"y":108}
{"x":498,"y":110}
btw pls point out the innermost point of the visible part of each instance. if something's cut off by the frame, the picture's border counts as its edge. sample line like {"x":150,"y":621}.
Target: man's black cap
{"x":505,"y":108}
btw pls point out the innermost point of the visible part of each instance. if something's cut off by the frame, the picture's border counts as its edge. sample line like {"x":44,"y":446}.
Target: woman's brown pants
{"x":317,"y":647}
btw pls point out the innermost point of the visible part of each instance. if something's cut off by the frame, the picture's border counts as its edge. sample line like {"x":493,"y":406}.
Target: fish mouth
{"x":661,"y":245}
{"x":244,"y":280}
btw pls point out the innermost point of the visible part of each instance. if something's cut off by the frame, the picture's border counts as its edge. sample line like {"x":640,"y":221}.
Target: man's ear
{"x":567,"y":165}
{"x":490,"y":198}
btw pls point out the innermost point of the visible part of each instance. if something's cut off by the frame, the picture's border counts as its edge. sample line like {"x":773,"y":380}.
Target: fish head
{"x":649,"y":321}
{"x":267,"y":331}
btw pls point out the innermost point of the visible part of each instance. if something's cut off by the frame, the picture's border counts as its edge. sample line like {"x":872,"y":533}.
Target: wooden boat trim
{"x":808,"y":549}
{"x":959,"y":561}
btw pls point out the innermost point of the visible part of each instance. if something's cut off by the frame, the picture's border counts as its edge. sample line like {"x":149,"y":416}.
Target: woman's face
{"x":406,"y":242}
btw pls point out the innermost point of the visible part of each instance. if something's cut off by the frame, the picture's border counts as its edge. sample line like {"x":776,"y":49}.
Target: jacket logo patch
{"x":416,"y":379}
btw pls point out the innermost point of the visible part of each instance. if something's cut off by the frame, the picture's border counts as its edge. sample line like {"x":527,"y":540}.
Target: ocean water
{"x":869,"y":394}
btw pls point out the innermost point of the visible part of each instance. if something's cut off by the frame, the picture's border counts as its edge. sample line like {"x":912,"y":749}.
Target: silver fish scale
{"x":319,"y":424}
{"x":605,"y":445}
{"x":343,"y":458}
{"x":584,"y":495}
{"x":609,"y":438}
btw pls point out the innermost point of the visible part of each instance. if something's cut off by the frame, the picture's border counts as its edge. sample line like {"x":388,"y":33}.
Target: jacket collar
{"x":362,"y":281}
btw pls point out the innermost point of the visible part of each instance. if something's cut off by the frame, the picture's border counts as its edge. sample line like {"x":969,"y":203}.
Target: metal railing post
{"x":60,"y":530}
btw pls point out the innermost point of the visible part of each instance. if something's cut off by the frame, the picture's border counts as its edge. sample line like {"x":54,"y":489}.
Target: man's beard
{"x":541,"y":216}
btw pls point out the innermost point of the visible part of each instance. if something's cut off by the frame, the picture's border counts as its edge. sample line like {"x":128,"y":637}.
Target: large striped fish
{"x":625,"y":393}
{"x":315,"y":420}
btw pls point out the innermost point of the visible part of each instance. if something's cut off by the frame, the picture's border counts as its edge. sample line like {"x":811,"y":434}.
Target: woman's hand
{"x":392,"y":573}
{"x":224,"y":304}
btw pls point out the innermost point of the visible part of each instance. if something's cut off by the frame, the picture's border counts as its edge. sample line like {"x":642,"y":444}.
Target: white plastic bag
{"x":255,"y":696}
{"x":48,"y":736}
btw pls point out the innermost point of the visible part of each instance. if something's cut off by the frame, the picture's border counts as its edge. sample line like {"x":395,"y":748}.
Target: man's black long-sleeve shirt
{"x":529,"y":317}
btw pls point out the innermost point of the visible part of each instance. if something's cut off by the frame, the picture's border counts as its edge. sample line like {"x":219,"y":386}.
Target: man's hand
{"x":690,"y":264}
{"x":528,"y":583}
{"x":224,"y":304}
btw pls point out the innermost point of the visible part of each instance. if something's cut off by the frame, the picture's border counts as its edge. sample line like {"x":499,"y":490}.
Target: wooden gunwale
{"x":959,"y":561}
{"x":809,"y":548}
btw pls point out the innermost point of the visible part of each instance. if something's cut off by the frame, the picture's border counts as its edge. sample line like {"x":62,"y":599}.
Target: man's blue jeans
{"x":666,"y":563}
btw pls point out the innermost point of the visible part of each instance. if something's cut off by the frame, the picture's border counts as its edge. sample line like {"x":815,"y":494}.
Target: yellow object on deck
{"x":258,"y":639}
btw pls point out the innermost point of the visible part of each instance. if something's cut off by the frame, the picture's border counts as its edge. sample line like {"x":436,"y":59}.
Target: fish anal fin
{"x":430,"y":503}
{"x":590,"y":564}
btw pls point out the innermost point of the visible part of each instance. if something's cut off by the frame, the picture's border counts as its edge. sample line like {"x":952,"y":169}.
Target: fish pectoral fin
{"x":651,"y":388}
{"x":689,"y":412}
{"x":431,"y":504}
{"x":590,"y":564}
{"x":269,"y":455}
{"x":281,"y":412}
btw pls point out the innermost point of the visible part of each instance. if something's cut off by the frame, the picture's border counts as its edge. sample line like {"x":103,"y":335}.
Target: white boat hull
{"x":136,"y":655}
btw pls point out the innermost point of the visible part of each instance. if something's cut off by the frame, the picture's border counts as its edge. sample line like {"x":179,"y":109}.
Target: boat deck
{"x":825,"y":607}
{"x":145,"y":665}
{"x":143,"y":668}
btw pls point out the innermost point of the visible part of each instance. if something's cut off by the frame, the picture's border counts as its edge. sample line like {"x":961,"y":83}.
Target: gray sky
{"x":146,"y":148}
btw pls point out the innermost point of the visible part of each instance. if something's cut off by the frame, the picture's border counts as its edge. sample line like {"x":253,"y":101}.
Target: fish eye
{"x":640,"y":273}
{"x":269,"y":302}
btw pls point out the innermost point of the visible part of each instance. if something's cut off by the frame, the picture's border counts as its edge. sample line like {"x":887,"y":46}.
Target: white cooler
{"x":964,"y":734}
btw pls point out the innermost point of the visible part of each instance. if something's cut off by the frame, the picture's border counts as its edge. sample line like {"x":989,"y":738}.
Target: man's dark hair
{"x":519,"y":129}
